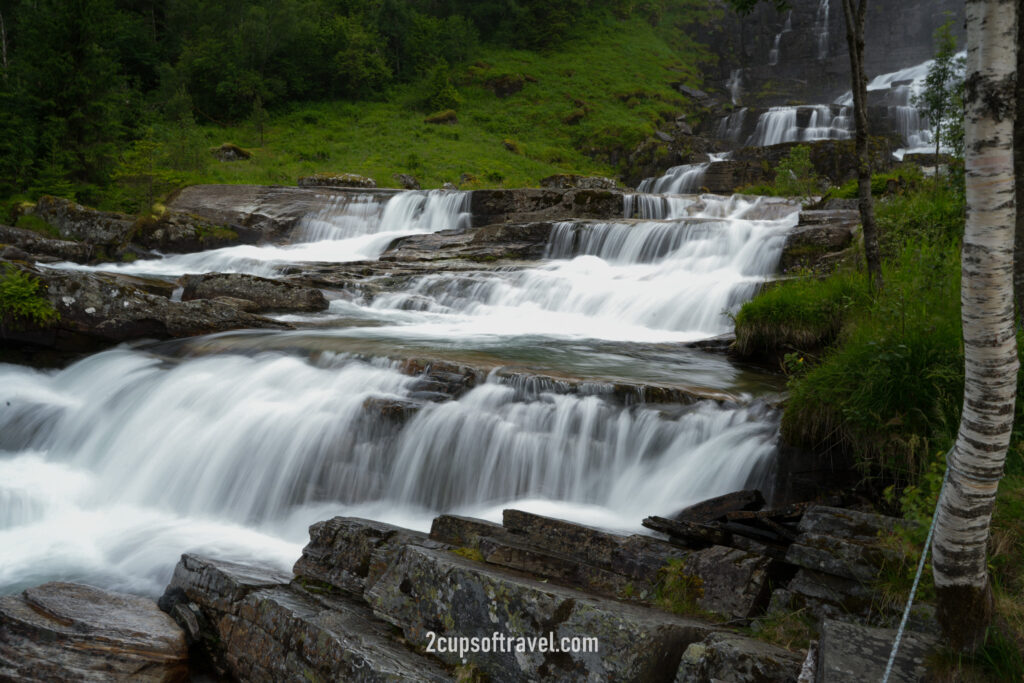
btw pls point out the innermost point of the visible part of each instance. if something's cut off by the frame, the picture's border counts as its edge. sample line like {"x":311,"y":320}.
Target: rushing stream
{"x":232,"y":444}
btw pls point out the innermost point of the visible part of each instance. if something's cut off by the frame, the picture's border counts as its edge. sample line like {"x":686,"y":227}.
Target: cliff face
{"x":810,"y":62}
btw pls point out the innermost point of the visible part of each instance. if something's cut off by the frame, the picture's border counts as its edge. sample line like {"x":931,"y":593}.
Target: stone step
{"x":851,"y":653}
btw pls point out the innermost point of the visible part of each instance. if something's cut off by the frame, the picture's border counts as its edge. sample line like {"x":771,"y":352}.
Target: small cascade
{"x":801,"y":124}
{"x":730,"y":128}
{"x":655,"y":206}
{"x":773,"y":54}
{"x":685,"y":179}
{"x":821,"y":29}
{"x":735,"y":85}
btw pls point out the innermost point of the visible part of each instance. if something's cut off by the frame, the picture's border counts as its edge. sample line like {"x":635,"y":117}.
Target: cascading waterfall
{"x":735,"y":85}
{"x":349,"y":227}
{"x":819,"y":122}
{"x":730,"y":127}
{"x":112,"y":468}
{"x":671,"y":281}
{"x":685,"y":179}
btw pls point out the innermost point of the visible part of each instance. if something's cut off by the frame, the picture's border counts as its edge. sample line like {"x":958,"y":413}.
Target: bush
{"x":795,"y":175}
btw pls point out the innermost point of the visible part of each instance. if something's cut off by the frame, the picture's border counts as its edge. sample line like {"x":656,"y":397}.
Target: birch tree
{"x":976,"y":461}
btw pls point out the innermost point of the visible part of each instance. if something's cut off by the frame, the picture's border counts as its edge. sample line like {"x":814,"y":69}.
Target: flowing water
{"x":233,"y":444}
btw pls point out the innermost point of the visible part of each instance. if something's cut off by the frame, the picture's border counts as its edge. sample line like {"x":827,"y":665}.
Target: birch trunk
{"x":854,"y":12}
{"x":990,"y":349}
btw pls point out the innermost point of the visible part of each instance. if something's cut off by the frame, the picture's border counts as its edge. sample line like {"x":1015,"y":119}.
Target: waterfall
{"x":113,"y":467}
{"x":348,"y":227}
{"x":685,"y":179}
{"x":783,"y":124}
{"x":773,"y":54}
{"x":821,"y":29}
{"x":730,"y":127}
{"x":735,"y":85}
{"x":653,"y":281}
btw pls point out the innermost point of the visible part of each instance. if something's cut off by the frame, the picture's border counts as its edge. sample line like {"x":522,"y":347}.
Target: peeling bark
{"x":990,"y":346}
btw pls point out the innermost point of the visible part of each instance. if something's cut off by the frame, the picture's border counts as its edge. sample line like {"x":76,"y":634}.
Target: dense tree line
{"x":81,"y":78}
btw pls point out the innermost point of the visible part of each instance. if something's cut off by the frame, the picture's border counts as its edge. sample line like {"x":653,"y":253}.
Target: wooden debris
{"x":720,"y":506}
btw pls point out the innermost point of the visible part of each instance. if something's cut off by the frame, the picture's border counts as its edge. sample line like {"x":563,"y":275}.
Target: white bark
{"x":990,"y":349}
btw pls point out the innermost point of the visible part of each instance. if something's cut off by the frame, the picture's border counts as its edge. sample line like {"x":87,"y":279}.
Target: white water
{"x":348,"y":228}
{"x":112,"y":468}
{"x":735,"y":85}
{"x":773,"y":54}
{"x":780,"y":124}
{"x":676,"y":280}
{"x":821,"y":29}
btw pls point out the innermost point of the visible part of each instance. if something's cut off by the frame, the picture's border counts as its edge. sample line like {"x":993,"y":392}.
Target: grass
{"x":678,"y":591}
{"x":582,"y":109}
{"x":801,"y":315}
{"x":36,"y":224}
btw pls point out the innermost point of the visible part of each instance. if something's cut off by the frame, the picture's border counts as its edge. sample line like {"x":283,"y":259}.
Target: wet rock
{"x":490,"y":243}
{"x":407,"y":181}
{"x":464,"y":532}
{"x":842,"y":542}
{"x":98,"y":310}
{"x":336,"y":180}
{"x":428,"y":590}
{"x":35,"y":244}
{"x":350,"y":553}
{"x":179,"y":232}
{"x":72,"y":632}
{"x":265,"y":294}
{"x":568,"y":181}
{"x":818,"y":239}
{"x":449,"y":186}
{"x":732,"y":658}
{"x":851,"y":653}
{"x":528,"y":205}
{"x":76,"y":222}
{"x":230,"y":152}
{"x":717,"y":507}
{"x":253,"y":625}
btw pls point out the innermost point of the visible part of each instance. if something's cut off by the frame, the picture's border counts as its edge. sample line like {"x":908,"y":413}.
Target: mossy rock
{"x":337,"y":180}
{"x":230,"y":152}
{"x":446,"y":117}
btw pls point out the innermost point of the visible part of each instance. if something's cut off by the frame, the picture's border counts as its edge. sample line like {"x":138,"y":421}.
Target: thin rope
{"x":917,"y":580}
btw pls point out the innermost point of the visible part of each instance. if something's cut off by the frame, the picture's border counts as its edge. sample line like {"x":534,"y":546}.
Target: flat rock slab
{"x":850,"y":653}
{"x":73,"y":632}
{"x":263,"y":293}
{"x":428,"y":592}
{"x":732,"y":658}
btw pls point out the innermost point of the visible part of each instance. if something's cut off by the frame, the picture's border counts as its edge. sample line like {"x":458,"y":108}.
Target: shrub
{"x":21,"y":304}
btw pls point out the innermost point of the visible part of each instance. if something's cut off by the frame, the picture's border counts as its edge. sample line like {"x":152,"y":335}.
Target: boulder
{"x":407,"y":181}
{"x":735,"y":582}
{"x":265,"y":294}
{"x":336,"y":180}
{"x":82,"y":224}
{"x":428,"y":591}
{"x":230,"y":152}
{"x":72,"y":632}
{"x":819,"y":240}
{"x":851,"y":653}
{"x":528,"y":205}
{"x":249,"y":623}
{"x":97,"y":310}
{"x":37,"y":245}
{"x":516,"y":241}
{"x":180,"y":232}
{"x":842,"y":543}
{"x":732,"y":658}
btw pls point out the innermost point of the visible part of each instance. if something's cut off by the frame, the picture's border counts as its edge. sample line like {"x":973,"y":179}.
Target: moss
{"x":315,"y":586}
{"x":37,"y":224}
{"x":21,"y":303}
{"x":469,"y":553}
{"x":677,"y":590}
{"x":447,"y":116}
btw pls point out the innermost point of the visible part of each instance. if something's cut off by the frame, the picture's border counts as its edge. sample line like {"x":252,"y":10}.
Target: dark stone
{"x":336,"y":180}
{"x":858,"y":560}
{"x":407,"y":181}
{"x":527,"y":205}
{"x":732,"y":658}
{"x":428,"y":590}
{"x":515,"y":241}
{"x":178,"y":232}
{"x":82,"y":224}
{"x":568,"y":181}
{"x":265,"y":294}
{"x":735,"y":582}
{"x":820,"y":240}
{"x":851,"y":653}
{"x":350,"y":553}
{"x":253,"y":625}
{"x":72,"y":632}
{"x":715,"y":508}
{"x":464,"y":532}
{"x":35,"y":244}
